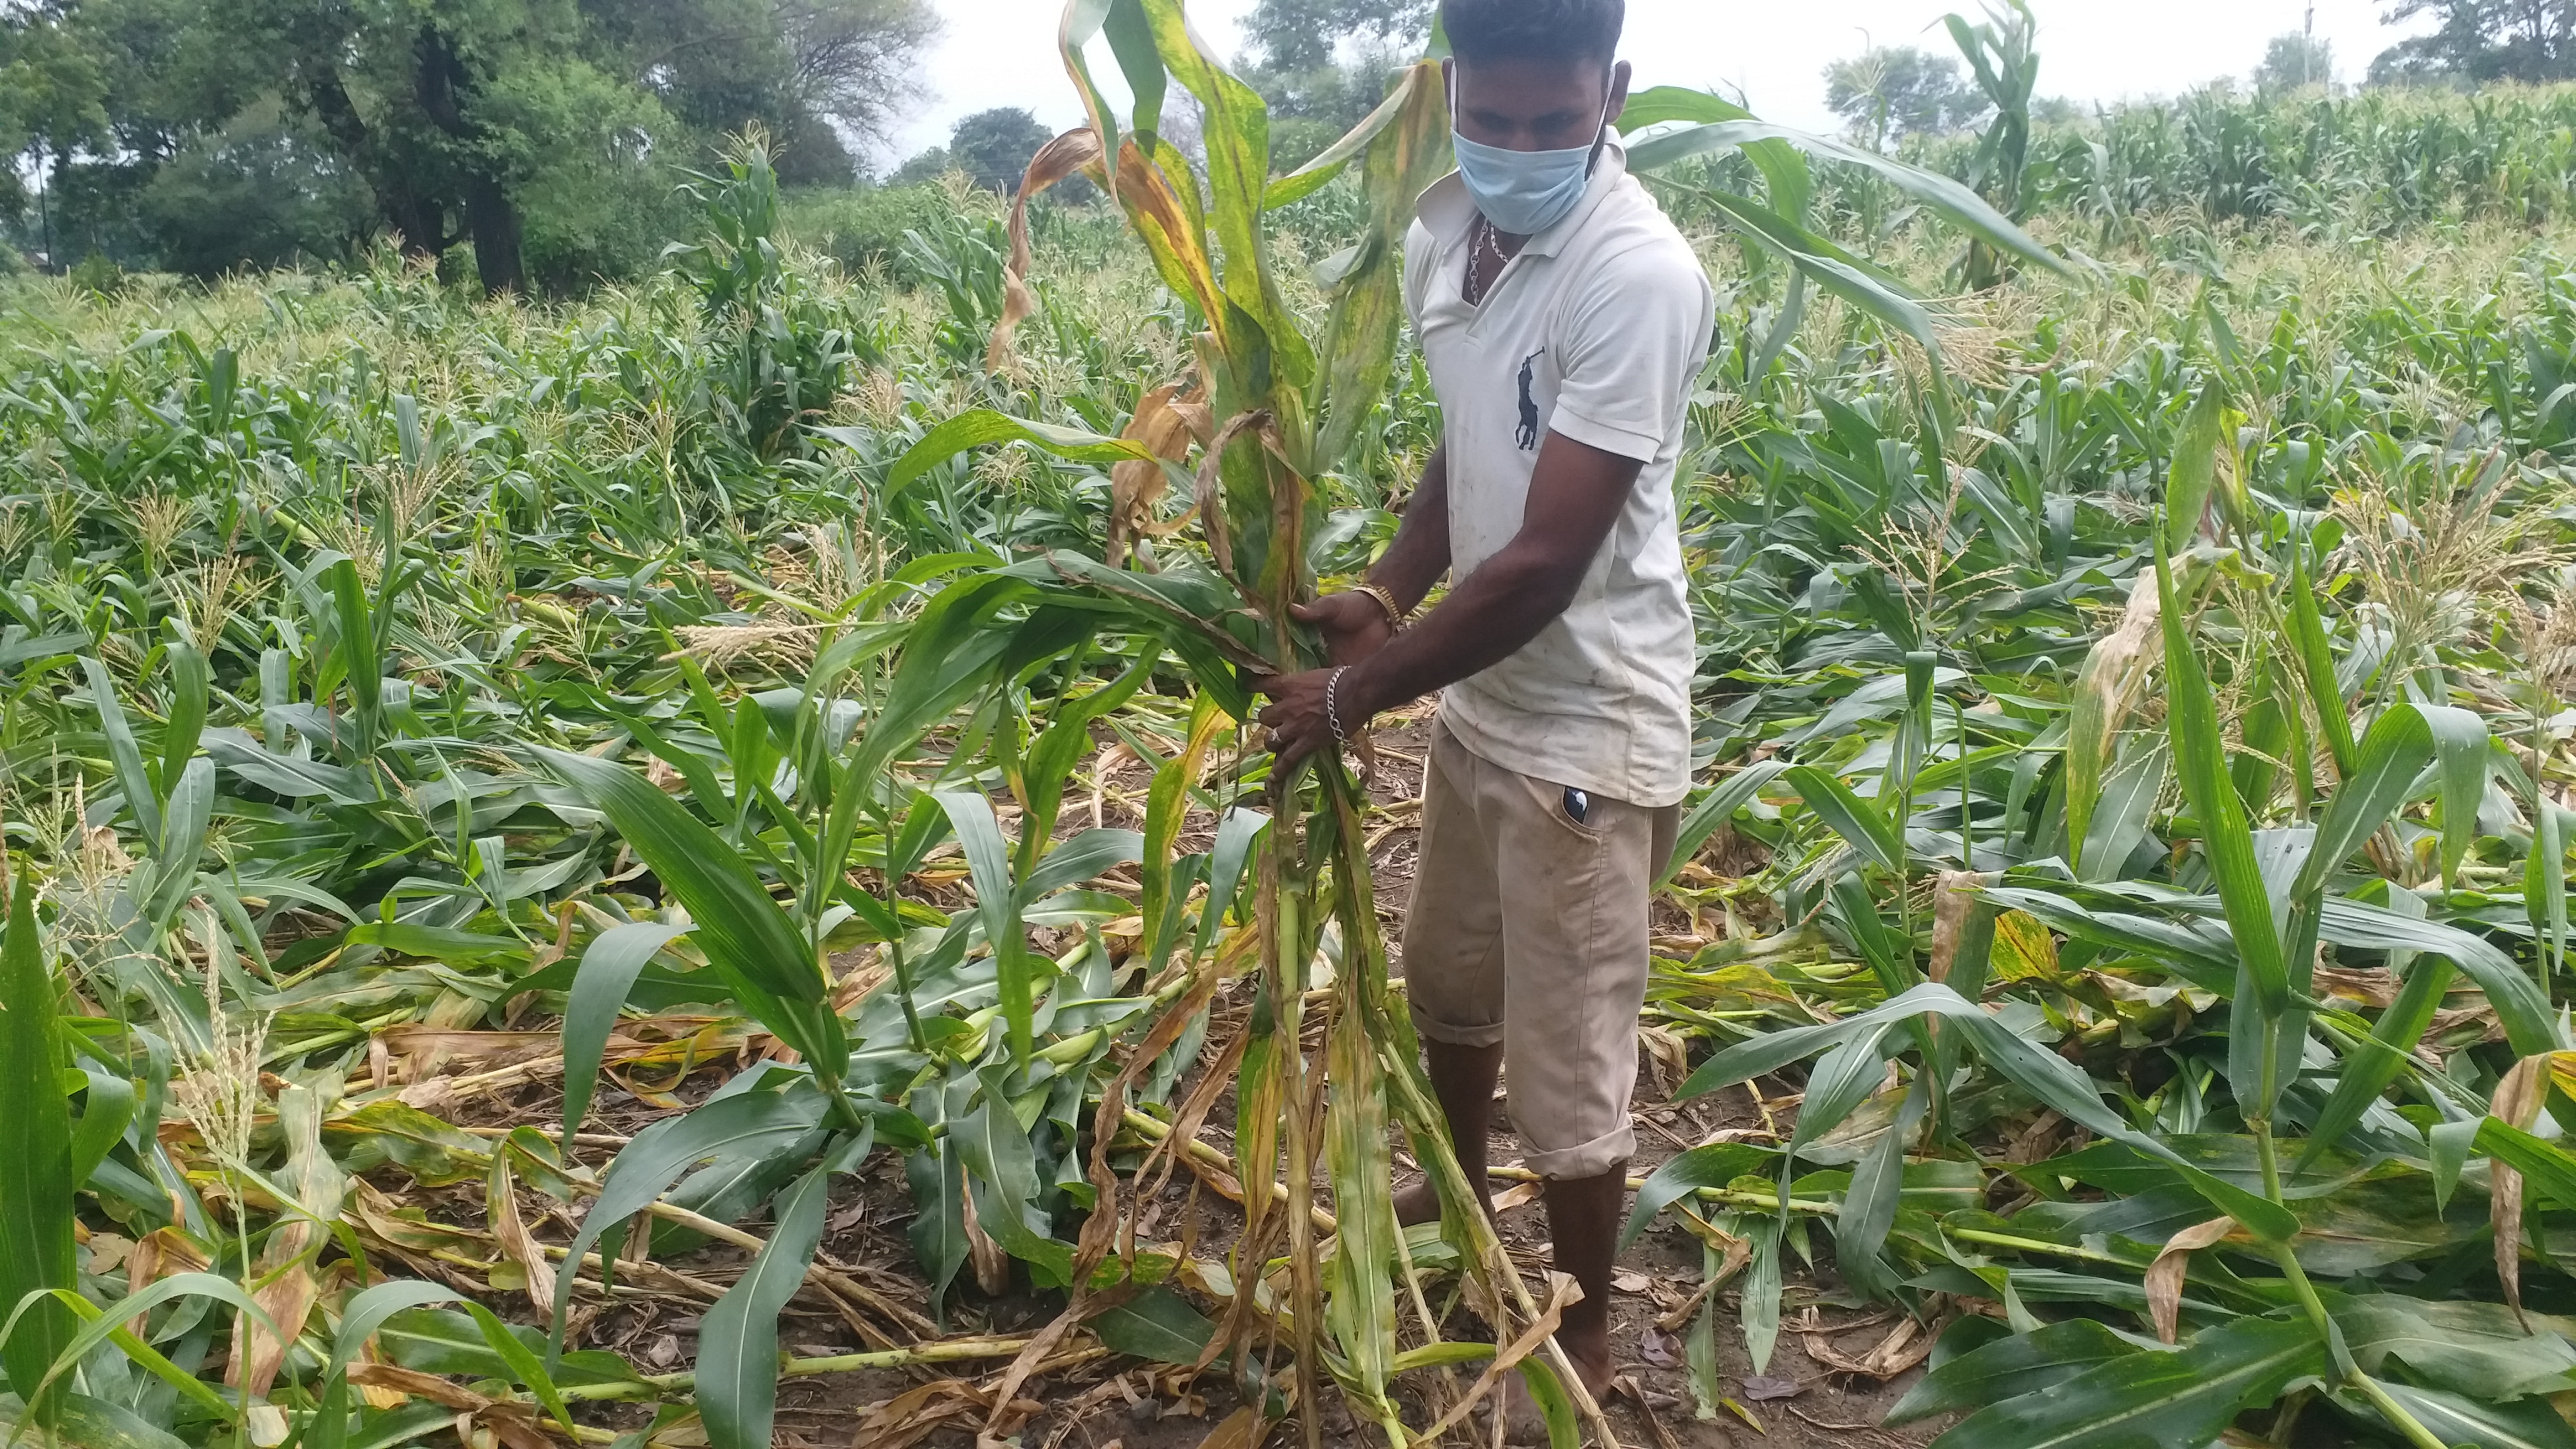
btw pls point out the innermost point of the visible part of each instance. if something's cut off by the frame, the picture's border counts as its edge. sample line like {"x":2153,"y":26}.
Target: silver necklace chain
{"x":1488,"y":241}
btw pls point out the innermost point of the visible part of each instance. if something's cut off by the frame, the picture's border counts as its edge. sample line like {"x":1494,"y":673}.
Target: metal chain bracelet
{"x":1332,"y":705}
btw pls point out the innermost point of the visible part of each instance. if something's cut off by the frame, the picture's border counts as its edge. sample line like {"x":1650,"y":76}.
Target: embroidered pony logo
{"x":1529,"y":405}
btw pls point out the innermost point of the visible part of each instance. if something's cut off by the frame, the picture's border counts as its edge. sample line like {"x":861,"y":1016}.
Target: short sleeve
{"x":1634,"y":339}
{"x":1421,"y":258}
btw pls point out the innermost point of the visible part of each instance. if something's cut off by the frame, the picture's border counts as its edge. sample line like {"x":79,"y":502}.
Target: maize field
{"x":688,"y":869}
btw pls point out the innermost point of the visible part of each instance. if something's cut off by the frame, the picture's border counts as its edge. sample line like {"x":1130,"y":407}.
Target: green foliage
{"x":993,"y":147}
{"x":1890,"y":91}
{"x":2294,"y":62}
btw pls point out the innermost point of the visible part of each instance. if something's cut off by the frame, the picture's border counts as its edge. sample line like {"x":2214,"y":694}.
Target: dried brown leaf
{"x":2165,"y":1275}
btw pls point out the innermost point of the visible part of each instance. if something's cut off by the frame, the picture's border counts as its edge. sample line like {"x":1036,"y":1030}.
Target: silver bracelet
{"x":1332,"y":706}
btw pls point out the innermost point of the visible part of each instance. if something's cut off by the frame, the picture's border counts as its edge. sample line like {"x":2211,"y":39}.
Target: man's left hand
{"x":1296,"y":718}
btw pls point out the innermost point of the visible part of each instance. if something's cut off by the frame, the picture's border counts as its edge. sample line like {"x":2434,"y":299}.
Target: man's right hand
{"x":1354,"y":625}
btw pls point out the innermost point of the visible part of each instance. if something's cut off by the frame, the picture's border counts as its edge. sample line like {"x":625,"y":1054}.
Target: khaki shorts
{"x":1529,"y":928}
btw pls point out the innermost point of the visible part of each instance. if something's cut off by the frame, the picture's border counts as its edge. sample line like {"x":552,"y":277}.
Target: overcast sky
{"x":1002,"y":52}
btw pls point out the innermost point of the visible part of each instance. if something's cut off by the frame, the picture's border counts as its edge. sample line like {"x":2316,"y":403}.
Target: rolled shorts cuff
{"x":1591,"y":1159}
{"x":1485,"y":1034}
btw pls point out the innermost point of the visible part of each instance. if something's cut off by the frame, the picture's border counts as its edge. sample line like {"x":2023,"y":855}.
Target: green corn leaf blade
{"x":2381,"y":774}
{"x":36,"y":1239}
{"x":609,"y":966}
{"x":1131,"y":41}
{"x":1359,"y":1290}
{"x":996,"y":1152}
{"x":1236,"y":835}
{"x":2547,"y":1166}
{"x":2008,"y":1368}
{"x":2196,"y":465}
{"x":988,"y":862}
{"x":107,"y":1325}
{"x":2530,"y":1024}
{"x":1157,"y":1325}
{"x":935,"y":1175}
{"x":189,"y":685}
{"x":2544,"y":887}
{"x":2367,"y":1073}
{"x":748,"y":1124}
{"x":1869,"y":1206}
{"x":354,"y":640}
{"x":2317,"y":666}
{"x":294,"y":778}
{"x":2466,"y":753}
{"x":1066,"y":741}
{"x":1844,"y":1079}
{"x":132,"y":779}
{"x":102,"y":1123}
{"x":1758,"y":1306}
{"x":982,"y":427}
{"x":738,"y":1342}
{"x":1784,"y":168}
{"x":2200,"y":757}
{"x":745,"y":934}
{"x":187,"y":816}
{"x":2459,"y":1419}
{"x":1957,"y":204}
{"x":1861,"y":824}
{"x":1714,"y":810}
{"x":1713,"y":1164}
{"x":365,"y":1314}
{"x":1555,"y":1405}
{"x":527,"y":1367}
{"x":2183,"y":1397}
{"x":101,"y":1424}
{"x":2483,"y":1350}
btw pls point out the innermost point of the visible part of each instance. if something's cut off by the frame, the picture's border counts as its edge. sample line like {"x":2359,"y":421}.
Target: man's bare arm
{"x":1575,"y":495}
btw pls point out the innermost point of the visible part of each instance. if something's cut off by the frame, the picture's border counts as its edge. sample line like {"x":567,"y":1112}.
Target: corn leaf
{"x":2199,"y":757}
{"x":738,"y":1342}
{"x":36,"y":1248}
{"x":609,"y":966}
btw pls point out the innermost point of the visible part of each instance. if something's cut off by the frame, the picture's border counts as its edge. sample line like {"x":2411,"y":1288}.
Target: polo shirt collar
{"x":1447,"y":210}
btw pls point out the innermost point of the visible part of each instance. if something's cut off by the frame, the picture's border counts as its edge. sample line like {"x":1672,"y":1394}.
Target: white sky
{"x":1002,"y":52}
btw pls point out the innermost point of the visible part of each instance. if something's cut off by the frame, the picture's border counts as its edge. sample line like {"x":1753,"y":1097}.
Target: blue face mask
{"x":1525,"y":192}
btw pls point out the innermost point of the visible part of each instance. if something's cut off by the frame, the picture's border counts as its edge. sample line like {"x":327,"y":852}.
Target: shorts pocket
{"x":1561,"y":804}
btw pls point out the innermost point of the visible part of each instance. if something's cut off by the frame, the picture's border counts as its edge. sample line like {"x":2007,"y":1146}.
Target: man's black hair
{"x":1533,"y":29}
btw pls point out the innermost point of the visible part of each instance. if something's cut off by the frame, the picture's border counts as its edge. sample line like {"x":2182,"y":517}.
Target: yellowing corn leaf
{"x":2023,"y":948}
{"x":287,"y":1288}
{"x":1167,"y":420}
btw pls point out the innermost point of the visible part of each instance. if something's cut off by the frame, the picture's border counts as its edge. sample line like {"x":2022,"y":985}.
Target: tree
{"x":545,"y":133}
{"x":1323,"y":65}
{"x":1289,"y":36}
{"x":2532,"y":41}
{"x":993,"y":147}
{"x":2294,"y":62}
{"x":1891,"y":91}
{"x":52,"y":93}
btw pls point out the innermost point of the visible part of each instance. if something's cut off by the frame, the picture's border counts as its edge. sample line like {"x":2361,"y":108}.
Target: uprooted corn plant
{"x":526,"y":829}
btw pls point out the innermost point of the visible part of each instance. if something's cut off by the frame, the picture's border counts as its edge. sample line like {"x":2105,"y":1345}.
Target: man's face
{"x":1534,"y":105}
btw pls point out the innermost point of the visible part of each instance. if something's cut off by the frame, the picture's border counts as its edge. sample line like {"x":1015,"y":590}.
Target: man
{"x":1564,"y":321}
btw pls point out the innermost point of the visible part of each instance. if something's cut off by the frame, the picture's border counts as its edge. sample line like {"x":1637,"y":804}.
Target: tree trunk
{"x":491,"y":216}
{"x":493,"y":220}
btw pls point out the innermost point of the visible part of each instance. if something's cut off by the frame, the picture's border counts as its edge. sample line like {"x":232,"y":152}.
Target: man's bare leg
{"x":1583,"y":1216}
{"x":1463,"y":1078}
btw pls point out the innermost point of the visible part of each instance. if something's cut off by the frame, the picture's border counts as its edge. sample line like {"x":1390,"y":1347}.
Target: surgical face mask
{"x":1526,"y":192}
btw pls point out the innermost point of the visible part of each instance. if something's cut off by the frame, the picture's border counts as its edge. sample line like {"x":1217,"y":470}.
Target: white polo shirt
{"x":1596,"y":330}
